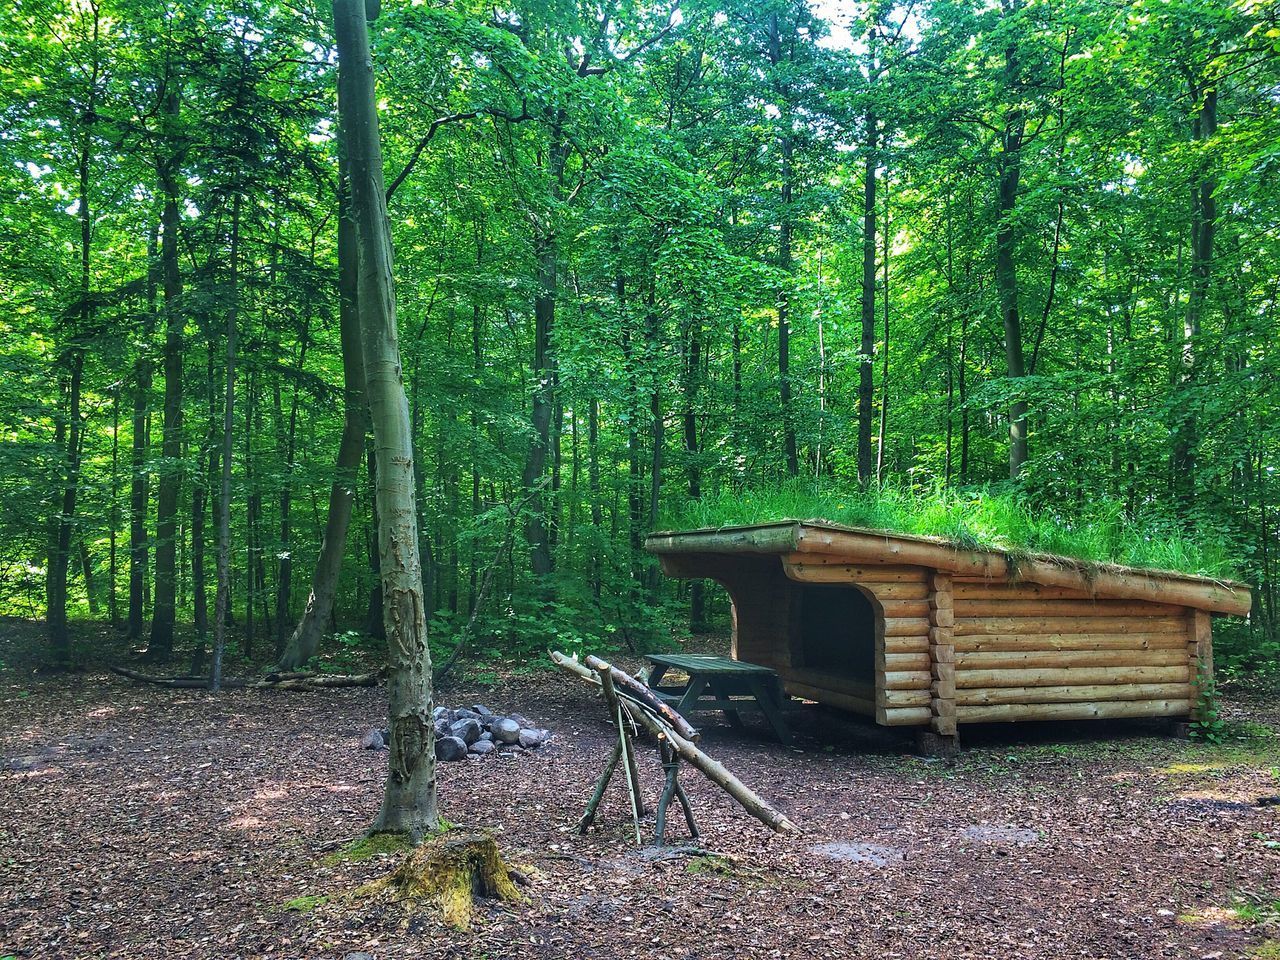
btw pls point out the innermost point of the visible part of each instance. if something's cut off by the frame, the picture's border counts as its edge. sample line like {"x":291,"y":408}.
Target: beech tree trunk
{"x":866,"y":358}
{"x":790,"y":451}
{"x":139,"y":485}
{"x":1010,"y":171}
{"x":164,"y":611}
{"x":409,"y":798}
{"x":222,"y":598}
{"x":318,"y":612}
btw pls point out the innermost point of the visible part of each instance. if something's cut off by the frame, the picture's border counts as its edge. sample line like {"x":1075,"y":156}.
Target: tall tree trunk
{"x":284,"y":569}
{"x":866,"y":358}
{"x":547,"y":253}
{"x":593,"y":484}
{"x":222,"y":597}
{"x":164,"y":611}
{"x":203,"y":480}
{"x":693,"y":468}
{"x":318,"y":612}
{"x":139,"y":485}
{"x":1010,"y":169}
{"x":786,"y":148}
{"x":409,"y":798}
{"x":882,"y":438}
{"x":1204,"y":214}
{"x":113,"y":565}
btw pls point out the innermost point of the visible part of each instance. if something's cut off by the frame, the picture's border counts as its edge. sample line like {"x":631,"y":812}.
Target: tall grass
{"x":977,"y":518}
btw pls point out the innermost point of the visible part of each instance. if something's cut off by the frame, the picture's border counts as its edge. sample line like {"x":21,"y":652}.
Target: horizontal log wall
{"x":1035,"y":652}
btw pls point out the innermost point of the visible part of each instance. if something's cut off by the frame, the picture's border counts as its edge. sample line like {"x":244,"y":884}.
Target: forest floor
{"x":140,"y":822}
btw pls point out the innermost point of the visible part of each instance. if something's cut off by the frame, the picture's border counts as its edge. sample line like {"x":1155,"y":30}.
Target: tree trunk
{"x":139,"y":486}
{"x":547,"y":252}
{"x":318,"y":612}
{"x":790,"y":451}
{"x":882,"y":439}
{"x":222,"y":597}
{"x":693,"y":468}
{"x":409,"y":799}
{"x":1010,"y":170}
{"x":1203,"y":226}
{"x":866,"y":359}
{"x":164,"y":611}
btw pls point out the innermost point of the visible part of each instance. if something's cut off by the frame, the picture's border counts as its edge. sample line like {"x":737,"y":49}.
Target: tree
{"x":409,"y":799}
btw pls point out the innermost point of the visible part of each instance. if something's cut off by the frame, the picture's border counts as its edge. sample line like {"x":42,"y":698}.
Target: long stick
{"x":628,"y":759}
{"x":710,"y":768}
{"x":601,"y":784}
{"x":638,"y":691}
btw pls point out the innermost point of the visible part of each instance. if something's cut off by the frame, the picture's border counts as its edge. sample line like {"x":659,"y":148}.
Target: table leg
{"x":769,"y":697}
{"x":734,"y":718}
{"x":689,"y":702}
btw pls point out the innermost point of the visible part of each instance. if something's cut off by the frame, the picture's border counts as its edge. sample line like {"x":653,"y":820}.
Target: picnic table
{"x":720,"y":683}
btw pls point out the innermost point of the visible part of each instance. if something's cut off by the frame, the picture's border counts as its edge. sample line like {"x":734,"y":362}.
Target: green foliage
{"x":974,"y":517}
{"x":306,"y":903}
{"x":1208,"y":725}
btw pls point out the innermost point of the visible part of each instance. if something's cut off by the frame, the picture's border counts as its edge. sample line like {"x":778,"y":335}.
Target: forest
{"x":342,"y":338}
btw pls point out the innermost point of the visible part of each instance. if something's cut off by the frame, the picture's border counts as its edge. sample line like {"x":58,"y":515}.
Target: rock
{"x":481,"y":747}
{"x":487,"y":736}
{"x":521,"y":719}
{"x":440,"y":713}
{"x":386,"y":735}
{"x":483,"y":711}
{"x":372,"y":740}
{"x":505,"y":730}
{"x":442,"y":727}
{"x":532,"y":739}
{"x":466,"y":729}
{"x":357,"y":956}
{"x":451,"y":748}
{"x":462,"y":713}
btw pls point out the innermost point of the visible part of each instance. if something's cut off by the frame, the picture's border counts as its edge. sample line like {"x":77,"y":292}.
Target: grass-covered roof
{"x":1104,"y":533}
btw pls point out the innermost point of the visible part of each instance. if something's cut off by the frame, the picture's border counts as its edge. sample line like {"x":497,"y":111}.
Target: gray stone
{"x":465,"y":729}
{"x":482,"y":710}
{"x":481,"y":747}
{"x":442,"y":727}
{"x":505,"y":730}
{"x":487,"y":736}
{"x":462,"y":713}
{"x":532,"y":739}
{"x":439,"y":713}
{"x":358,"y":955}
{"x":372,"y":740}
{"x":450,"y":748}
{"x":521,"y":719}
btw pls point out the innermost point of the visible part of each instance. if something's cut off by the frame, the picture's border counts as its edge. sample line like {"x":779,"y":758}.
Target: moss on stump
{"x":450,"y":872}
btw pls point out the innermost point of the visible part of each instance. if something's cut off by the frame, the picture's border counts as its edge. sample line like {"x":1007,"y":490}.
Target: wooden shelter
{"x":918,"y":631}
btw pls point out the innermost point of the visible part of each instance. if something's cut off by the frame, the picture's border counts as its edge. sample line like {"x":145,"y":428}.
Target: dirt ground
{"x":139,"y":822}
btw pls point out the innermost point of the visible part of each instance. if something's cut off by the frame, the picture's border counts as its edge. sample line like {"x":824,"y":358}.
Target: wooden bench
{"x":720,"y":683}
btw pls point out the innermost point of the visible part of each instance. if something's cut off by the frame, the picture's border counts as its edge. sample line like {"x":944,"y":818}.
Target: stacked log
{"x":1036,"y":652}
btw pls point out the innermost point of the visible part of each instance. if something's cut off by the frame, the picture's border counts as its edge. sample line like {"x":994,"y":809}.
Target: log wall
{"x":1031,"y":652}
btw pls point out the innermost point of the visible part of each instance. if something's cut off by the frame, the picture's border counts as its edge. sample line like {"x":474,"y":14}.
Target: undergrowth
{"x":974,"y":517}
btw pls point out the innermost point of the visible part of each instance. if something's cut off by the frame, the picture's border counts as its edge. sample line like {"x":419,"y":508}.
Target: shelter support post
{"x":1199,"y":654}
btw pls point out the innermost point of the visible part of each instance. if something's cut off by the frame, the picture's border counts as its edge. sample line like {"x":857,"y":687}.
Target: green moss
{"x":976,"y":518}
{"x":1266,"y":950}
{"x":1256,"y":908}
{"x":710,"y":863}
{"x":307,"y":903}
{"x":369,"y":846}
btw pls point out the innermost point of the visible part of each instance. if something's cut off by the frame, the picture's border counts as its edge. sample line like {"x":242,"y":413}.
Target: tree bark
{"x":409,"y":798}
{"x":1010,"y":170}
{"x":318,"y":612}
{"x":223,"y":596}
{"x":164,"y":610}
{"x":786,"y":149}
{"x":866,"y":358}
{"x":139,"y":485}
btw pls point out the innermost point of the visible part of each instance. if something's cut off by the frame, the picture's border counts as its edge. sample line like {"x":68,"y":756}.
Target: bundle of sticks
{"x":632,"y":706}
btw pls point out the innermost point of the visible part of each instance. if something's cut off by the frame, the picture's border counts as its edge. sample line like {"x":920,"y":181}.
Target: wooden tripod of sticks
{"x":625,"y":749}
{"x":634,"y":706}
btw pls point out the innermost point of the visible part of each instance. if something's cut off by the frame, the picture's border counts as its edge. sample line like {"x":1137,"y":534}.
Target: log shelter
{"x":924,"y":632}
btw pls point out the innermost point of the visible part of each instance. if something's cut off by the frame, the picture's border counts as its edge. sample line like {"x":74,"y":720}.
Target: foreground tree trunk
{"x":1010,"y":171}
{"x":866,"y":358}
{"x":318,"y":612}
{"x":139,"y":487}
{"x":409,"y":797}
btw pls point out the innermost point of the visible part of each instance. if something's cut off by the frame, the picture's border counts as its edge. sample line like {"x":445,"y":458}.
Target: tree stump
{"x":450,"y":872}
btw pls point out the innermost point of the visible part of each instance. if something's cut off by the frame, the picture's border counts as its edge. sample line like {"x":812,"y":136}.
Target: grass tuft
{"x":975,"y":518}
